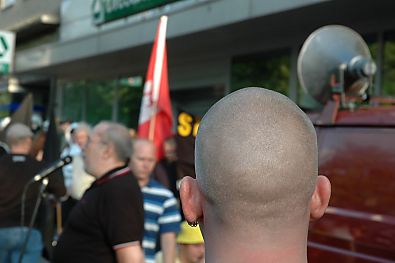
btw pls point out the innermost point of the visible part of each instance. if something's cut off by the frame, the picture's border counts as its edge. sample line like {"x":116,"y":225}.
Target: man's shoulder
{"x":119,"y":183}
{"x":157,"y":189}
{"x":9,"y":159}
{"x":155,"y":185}
{"x":5,"y":158}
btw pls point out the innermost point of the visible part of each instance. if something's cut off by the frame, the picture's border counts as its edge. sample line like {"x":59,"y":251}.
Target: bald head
{"x":256,"y":158}
{"x":143,"y":160}
{"x":19,"y":138}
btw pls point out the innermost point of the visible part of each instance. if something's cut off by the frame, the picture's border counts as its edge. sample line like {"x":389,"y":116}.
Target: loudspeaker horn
{"x":335,"y":58}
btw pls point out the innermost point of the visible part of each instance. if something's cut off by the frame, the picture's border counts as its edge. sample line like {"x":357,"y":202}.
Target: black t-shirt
{"x":16,"y":170}
{"x":109,"y":214}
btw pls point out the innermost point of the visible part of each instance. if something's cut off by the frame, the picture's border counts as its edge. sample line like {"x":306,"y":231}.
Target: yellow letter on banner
{"x":184,"y":128}
{"x":196,"y":127}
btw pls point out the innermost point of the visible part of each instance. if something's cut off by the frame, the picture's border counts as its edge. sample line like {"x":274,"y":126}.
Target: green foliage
{"x":5,"y":98}
{"x":389,"y":69}
{"x":99,"y":100}
{"x":96,"y":99}
{"x":271,"y":72}
{"x":72,"y":100}
{"x":129,"y":105}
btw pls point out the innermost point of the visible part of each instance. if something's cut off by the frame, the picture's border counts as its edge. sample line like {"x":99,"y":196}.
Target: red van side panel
{"x":359,"y":225}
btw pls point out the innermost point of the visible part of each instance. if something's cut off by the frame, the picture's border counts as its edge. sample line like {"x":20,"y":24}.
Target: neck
{"x":143,"y":182}
{"x":20,"y":150}
{"x":182,"y":257}
{"x":226,"y":246}
{"x":110,"y":166}
{"x":244,"y":253}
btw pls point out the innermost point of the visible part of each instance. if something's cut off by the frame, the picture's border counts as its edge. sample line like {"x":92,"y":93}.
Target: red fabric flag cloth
{"x":156,"y":117}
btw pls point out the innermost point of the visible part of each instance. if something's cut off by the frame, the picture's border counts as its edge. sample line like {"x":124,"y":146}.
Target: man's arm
{"x":130,"y":254}
{"x":168,"y":243}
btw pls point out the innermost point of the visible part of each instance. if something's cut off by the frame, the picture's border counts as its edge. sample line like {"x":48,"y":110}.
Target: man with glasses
{"x":107,"y":224}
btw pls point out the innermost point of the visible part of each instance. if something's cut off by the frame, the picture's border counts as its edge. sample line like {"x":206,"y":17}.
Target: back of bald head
{"x":256,"y":159}
{"x":17,"y":133}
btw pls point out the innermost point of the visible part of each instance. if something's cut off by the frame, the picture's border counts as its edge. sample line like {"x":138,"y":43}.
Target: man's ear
{"x":108,"y":150}
{"x":191,"y":199}
{"x":320,"y":198}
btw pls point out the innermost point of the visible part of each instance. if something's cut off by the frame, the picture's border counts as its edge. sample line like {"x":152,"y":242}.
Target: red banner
{"x":156,"y":118}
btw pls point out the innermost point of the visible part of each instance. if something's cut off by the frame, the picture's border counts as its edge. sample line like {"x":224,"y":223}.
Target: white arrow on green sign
{"x":104,"y":11}
{"x":7,"y":49}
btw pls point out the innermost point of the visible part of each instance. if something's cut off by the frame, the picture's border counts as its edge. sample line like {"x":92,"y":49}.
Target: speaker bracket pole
{"x":338,"y":87}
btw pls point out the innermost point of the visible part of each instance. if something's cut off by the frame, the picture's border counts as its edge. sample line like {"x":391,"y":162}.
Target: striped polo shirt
{"x":161,"y":215}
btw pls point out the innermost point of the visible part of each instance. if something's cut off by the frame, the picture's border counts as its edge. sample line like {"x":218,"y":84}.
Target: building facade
{"x":91,"y":64}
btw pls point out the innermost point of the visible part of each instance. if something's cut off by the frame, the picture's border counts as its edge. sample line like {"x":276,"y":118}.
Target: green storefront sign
{"x":104,"y":11}
{"x":7,"y":49}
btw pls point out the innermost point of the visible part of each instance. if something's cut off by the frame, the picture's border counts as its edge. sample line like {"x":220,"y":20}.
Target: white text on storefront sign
{"x":107,"y":10}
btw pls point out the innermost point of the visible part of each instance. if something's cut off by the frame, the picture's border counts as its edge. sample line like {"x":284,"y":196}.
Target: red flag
{"x":156,"y":118}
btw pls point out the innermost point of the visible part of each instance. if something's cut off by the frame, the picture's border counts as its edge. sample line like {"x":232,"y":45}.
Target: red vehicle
{"x":357,"y":153}
{"x":356,"y":150}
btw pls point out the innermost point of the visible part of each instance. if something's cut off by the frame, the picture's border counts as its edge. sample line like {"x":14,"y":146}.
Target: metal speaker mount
{"x":335,"y":59}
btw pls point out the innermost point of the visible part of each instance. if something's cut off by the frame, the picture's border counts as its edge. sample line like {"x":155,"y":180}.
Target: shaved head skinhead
{"x":257,"y":184}
{"x":256,"y":159}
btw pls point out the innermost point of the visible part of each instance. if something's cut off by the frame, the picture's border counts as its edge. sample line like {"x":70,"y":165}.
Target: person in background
{"x":64,"y":133}
{"x":107,"y":224}
{"x":166,"y":169}
{"x":257,"y":182}
{"x":190,"y":244}
{"x":79,"y":137}
{"x":162,"y":215}
{"x":76,"y":179}
{"x":132,"y":133}
{"x":80,"y":179}
{"x":17,"y":170}
{"x":70,"y":149}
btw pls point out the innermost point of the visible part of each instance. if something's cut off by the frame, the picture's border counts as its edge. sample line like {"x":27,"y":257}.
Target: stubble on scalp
{"x":256,"y":158}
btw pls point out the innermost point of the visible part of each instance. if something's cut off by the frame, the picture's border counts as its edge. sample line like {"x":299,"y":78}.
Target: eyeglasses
{"x":98,"y":141}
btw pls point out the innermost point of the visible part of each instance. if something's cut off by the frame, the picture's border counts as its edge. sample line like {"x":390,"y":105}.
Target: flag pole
{"x":157,"y":73}
{"x":59,"y":226}
{"x":151,"y":133}
{"x":156,"y":119}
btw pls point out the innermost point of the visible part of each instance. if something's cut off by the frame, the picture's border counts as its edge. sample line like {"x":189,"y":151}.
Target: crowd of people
{"x":256,"y":188}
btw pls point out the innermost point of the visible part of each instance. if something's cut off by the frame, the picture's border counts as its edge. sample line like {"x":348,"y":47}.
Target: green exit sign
{"x":7,"y":50}
{"x":104,"y":11}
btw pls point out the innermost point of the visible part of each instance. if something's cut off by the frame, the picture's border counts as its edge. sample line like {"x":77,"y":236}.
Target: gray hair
{"x":17,"y":132}
{"x":117,"y":135}
{"x":83,"y":127}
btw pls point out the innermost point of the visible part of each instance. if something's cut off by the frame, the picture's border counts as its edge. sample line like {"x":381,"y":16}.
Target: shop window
{"x":94,"y":101}
{"x":388,"y":85}
{"x":130,"y":92}
{"x":88,"y":100}
{"x":72,"y":100}
{"x":196,"y":100}
{"x":99,"y":100}
{"x":270,"y":70}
